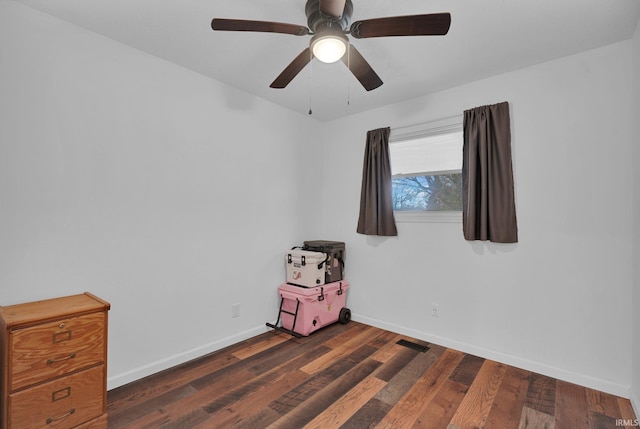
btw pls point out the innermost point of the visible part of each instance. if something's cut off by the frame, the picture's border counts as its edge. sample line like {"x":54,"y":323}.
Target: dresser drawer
{"x":52,"y":349}
{"x":61,"y":404}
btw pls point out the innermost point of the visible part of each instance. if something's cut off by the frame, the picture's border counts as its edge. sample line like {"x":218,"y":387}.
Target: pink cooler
{"x":318,"y":306}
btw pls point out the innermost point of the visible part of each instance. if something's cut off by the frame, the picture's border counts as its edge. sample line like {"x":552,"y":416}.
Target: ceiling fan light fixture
{"x":329,"y":48}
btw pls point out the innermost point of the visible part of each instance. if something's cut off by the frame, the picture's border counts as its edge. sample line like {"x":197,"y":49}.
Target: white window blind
{"x":426,"y":165}
{"x":439,"y":153}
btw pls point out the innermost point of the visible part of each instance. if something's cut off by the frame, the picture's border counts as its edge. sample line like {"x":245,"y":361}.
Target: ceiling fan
{"x":329,"y":23}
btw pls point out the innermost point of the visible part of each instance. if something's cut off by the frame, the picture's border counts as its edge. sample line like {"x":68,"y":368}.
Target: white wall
{"x":635,"y":382}
{"x":168,"y":194}
{"x":558,"y":302}
{"x":118,"y":175}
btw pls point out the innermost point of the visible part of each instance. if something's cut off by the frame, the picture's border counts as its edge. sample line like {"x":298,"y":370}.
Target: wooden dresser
{"x":53,"y":357}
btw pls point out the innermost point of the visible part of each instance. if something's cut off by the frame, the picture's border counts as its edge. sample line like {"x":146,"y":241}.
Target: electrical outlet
{"x":235,"y":310}
{"x":435,"y":310}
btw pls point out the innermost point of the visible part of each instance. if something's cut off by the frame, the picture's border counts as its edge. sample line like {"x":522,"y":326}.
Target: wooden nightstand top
{"x":18,"y":315}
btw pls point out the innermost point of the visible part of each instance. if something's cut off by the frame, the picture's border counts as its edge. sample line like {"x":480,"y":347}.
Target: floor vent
{"x":413,"y":346}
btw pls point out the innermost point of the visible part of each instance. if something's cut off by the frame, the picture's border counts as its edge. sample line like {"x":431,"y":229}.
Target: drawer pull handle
{"x":55,"y":419}
{"x":52,"y":361}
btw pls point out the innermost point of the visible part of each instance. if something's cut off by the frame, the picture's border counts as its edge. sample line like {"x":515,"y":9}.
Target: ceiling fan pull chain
{"x":348,"y":78}
{"x":310,"y":80}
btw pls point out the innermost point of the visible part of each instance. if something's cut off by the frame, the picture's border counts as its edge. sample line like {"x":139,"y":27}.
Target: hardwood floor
{"x":356,"y":376}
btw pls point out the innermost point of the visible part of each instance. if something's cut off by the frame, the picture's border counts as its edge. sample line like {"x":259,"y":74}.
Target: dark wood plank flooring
{"x":355,"y":376}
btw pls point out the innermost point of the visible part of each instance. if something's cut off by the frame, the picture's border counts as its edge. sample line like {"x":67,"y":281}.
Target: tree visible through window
{"x":442,"y":192}
{"x":426,"y":165}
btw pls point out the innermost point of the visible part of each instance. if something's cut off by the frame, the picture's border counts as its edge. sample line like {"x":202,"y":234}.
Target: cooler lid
{"x":324,"y":243}
{"x":309,"y":256}
{"x":315,"y":290}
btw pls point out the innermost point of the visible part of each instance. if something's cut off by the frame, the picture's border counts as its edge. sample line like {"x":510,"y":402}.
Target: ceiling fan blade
{"x":292,"y":69}
{"x":434,"y":24}
{"x":361,"y":69}
{"x":260,"y":26}
{"x":332,"y":8}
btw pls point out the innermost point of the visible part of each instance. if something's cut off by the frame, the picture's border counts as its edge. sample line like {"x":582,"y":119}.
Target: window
{"x":426,"y":164}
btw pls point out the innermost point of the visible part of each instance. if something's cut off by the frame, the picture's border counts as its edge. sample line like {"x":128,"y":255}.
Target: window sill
{"x":428,"y":217}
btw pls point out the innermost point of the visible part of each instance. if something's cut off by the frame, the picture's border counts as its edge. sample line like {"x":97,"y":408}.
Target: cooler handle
{"x":326,"y":261}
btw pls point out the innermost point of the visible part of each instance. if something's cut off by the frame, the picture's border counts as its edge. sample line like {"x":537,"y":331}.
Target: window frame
{"x":441,"y":126}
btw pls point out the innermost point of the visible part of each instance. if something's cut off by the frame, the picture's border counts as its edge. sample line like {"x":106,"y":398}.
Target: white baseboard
{"x":518,"y":362}
{"x":635,"y":403}
{"x":171,"y":361}
{"x":561,"y":374}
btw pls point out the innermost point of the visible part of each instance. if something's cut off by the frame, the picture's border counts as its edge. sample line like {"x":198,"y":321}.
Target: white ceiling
{"x":487,"y":37}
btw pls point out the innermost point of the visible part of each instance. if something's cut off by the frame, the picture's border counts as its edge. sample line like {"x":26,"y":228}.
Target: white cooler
{"x":305,"y":268}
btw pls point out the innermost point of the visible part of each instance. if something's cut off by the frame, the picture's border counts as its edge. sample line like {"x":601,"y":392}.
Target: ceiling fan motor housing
{"x":317,"y":21}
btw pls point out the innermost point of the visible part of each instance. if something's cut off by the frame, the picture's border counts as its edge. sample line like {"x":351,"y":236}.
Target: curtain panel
{"x":376,"y":203}
{"x":488,"y":203}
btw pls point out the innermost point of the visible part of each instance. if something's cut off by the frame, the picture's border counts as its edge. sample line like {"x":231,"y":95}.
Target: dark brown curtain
{"x":376,"y":205}
{"x":488,"y":203}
